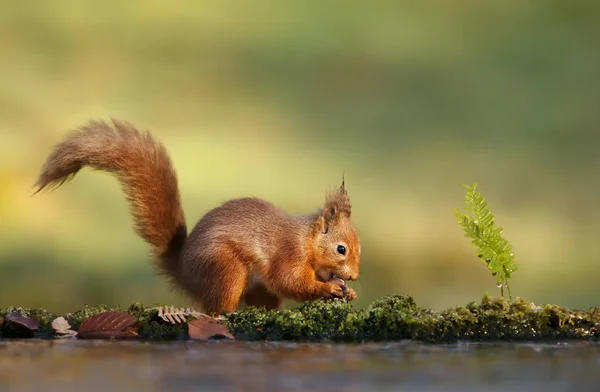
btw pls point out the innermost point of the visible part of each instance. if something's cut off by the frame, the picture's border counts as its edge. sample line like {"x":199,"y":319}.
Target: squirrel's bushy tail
{"x":145,"y":172}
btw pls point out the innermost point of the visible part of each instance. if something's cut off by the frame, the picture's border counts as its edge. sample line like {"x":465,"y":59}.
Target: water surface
{"x":77,"y":365}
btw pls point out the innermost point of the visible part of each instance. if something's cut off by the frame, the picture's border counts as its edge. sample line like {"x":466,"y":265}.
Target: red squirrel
{"x":245,"y":249}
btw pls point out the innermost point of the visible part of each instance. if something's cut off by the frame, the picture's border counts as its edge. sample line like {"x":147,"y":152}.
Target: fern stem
{"x":508,"y":289}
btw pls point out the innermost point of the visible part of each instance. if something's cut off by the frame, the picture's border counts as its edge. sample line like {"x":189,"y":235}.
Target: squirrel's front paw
{"x":350,"y":294}
{"x":332,"y":290}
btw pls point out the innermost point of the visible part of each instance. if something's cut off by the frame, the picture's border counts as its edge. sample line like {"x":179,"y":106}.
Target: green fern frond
{"x":478,"y":225}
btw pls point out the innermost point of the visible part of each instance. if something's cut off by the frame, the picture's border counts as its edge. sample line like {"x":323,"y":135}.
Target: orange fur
{"x":245,"y":249}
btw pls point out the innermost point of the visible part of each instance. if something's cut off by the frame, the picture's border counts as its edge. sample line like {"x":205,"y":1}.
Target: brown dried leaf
{"x":29,"y":323}
{"x":114,"y":324}
{"x":204,"y":329}
{"x":18,"y":326}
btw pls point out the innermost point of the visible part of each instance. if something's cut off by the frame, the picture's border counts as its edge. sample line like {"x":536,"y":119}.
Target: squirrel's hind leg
{"x":259,"y":296}
{"x":220,"y":283}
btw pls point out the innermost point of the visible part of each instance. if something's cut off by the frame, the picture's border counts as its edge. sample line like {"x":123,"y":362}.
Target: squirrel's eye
{"x":341,"y":249}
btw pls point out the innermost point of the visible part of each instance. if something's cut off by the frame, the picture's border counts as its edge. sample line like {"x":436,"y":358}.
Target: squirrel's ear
{"x":324,"y":220}
{"x":320,"y":225}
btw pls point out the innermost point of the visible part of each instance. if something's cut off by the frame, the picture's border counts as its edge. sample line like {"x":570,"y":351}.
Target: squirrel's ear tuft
{"x":338,"y":202}
{"x":337,"y":205}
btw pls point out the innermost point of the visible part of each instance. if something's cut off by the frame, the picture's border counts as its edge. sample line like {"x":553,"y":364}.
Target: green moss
{"x":392,"y":318}
{"x":313,"y":321}
{"x":389,"y":318}
{"x":398,"y":317}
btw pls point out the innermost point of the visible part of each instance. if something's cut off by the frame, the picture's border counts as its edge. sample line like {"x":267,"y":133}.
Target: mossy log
{"x":389,"y":318}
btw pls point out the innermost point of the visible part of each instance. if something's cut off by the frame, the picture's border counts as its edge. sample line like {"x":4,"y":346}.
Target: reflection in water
{"x":235,"y":366}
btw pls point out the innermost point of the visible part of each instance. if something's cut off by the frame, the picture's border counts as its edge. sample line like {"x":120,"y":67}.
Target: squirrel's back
{"x":253,"y":226}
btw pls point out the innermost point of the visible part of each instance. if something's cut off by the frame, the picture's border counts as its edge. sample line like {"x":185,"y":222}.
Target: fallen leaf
{"x":107,"y":325}
{"x":20,"y":326}
{"x":30,"y":323}
{"x":62,"y":327}
{"x":205,"y":329}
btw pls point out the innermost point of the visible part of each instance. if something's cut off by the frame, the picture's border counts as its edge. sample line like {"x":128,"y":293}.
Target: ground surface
{"x":86,"y":365}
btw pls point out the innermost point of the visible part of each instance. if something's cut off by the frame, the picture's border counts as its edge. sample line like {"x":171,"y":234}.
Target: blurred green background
{"x":276,"y":99}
